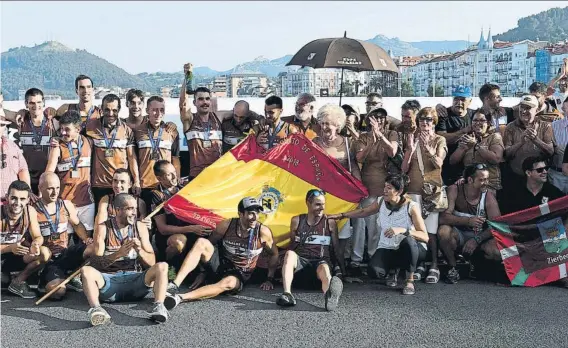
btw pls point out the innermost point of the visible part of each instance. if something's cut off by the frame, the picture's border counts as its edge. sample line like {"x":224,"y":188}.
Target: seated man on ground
{"x":174,"y":237}
{"x":121,"y":183}
{"x":21,"y":242}
{"x":53,"y":215}
{"x":229,"y":256}
{"x":463,"y":225}
{"x":116,"y":272}
{"x":311,"y":235}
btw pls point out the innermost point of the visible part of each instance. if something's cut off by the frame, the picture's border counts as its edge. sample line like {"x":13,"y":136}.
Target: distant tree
{"x":550,"y":25}
{"x":407,"y":89}
{"x":439,"y":91}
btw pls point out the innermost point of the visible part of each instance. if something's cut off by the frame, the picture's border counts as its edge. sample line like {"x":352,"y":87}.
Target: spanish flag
{"x":279,"y":178}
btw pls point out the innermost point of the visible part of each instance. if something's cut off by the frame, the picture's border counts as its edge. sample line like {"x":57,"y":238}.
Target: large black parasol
{"x":344,"y":53}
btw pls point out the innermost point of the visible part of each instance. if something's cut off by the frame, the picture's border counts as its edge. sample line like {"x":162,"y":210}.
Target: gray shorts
{"x":464,"y":234}
{"x":124,"y":286}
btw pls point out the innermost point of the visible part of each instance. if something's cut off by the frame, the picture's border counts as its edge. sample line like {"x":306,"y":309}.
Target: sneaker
{"x":98,"y":316}
{"x":172,"y":301}
{"x":172,"y":288}
{"x":337,"y":272}
{"x":21,"y":289}
{"x":333,"y":293}
{"x":75,"y":284}
{"x":286,"y":300}
{"x":392,"y":280}
{"x":159,"y":313}
{"x":452,"y":276}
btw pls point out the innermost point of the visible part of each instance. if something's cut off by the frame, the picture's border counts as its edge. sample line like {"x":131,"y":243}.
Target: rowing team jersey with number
{"x":34,"y":141}
{"x":19,"y":232}
{"x":55,"y":237}
{"x":242,"y":252}
{"x":204,"y":142}
{"x":113,"y":241}
{"x":312,"y":242}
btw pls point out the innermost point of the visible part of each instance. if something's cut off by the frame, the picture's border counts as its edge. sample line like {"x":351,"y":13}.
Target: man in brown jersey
{"x":202,"y":130}
{"x":155,"y":142}
{"x":309,"y":257}
{"x":271,"y":130}
{"x":85,"y":90}
{"x":53,"y":216}
{"x":114,"y":145}
{"x":35,"y":128}
{"x":21,"y":242}
{"x":71,"y":160}
{"x":229,"y":256}
{"x":239,"y":123}
{"x":135,"y":105}
{"x":124,"y":266}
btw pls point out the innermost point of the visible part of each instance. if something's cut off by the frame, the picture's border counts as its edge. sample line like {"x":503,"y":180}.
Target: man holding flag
{"x":229,"y":255}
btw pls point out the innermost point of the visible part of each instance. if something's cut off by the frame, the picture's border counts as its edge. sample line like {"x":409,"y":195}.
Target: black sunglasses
{"x":541,"y":169}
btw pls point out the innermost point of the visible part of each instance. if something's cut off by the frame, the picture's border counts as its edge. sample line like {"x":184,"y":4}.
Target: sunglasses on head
{"x":541,"y":169}
{"x":314,"y":193}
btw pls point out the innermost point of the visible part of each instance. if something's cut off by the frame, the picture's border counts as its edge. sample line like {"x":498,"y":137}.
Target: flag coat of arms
{"x":533,"y":243}
{"x":279,"y":178}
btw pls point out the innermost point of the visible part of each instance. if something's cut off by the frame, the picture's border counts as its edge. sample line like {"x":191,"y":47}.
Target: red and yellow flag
{"x":279,"y":178}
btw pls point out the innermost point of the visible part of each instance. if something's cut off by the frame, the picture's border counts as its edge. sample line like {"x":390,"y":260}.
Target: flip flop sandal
{"x":409,"y":289}
{"x":286,"y":300}
{"x":433,"y":276}
{"x":392,"y":281}
{"x":419,"y":273}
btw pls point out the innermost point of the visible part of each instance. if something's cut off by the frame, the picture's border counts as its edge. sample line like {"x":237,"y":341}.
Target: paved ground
{"x":469,"y":314}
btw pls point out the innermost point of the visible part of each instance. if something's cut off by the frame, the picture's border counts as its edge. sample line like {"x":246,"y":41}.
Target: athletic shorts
{"x":59,"y":266}
{"x":86,"y":216}
{"x":219,"y":267}
{"x":124,"y":286}
{"x":12,"y":263}
{"x":464,"y":234}
{"x":305,"y":274}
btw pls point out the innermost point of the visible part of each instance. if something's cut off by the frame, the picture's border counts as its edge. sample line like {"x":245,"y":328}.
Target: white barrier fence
{"x":392,"y":105}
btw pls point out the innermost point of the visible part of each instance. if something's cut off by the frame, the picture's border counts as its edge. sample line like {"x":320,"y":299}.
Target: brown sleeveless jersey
{"x":243,"y":252}
{"x":18,"y":233}
{"x":233,"y":134}
{"x":113,"y":241}
{"x":93,"y":113}
{"x":312,"y":242}
{"x":165,"y":145}
{"x":109,"y":157}
{"x":54,"y":232}
{"x":204,"y":141}
{"x":111,"y":210}
{"x":34,"y":142}
{"x":76,"y":187}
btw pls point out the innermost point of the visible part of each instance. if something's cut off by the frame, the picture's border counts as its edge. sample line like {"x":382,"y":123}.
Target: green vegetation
{"x":550,"y":25}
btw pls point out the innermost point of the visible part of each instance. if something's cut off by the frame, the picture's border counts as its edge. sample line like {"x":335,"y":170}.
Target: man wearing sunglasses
{"x":13,"y":165}
{"x":304,"y":118}
{"x":536,"y":190}
{"x":453,"y":122}
{"x":309,"y":257}
{"x":463,"y":225}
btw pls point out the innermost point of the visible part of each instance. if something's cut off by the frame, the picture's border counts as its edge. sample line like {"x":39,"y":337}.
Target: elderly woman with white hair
{"x":331,"y":119}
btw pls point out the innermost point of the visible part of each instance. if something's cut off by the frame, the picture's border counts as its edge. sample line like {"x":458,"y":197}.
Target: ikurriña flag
{"x":533,"y":243}
{"x":279,"y":178}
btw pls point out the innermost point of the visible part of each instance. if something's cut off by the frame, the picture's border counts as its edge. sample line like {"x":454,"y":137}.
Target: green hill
{"x":53,"y":67}
{"x":550,"y":25}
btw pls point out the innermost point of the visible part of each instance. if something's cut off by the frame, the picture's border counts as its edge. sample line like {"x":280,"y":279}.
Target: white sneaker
{"x":98,"y":316}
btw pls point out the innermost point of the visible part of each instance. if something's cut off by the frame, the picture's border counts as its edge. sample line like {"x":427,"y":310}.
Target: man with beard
{"x":229,"y":256}
{"x":123,"y":267}
{"x":236,"y":127}
{"x":53,"y":215}
{"x":312,"y":235}
{"x":174,"y":237}
{"x":85,"y":90}
{"x":463,"y":225}
{"x":490,"y":96}
{"x":71,"y":160}
{"x":407,"y":126}
{"x":272,"y":131}
{"x":155,"y":142}
{"x":21,"y":242}
{"x":304,"y":119}
{"x":453,"y":122}
{"x":35,"y":129}
{"x":527,"y":136}
{"x":114,"y":145}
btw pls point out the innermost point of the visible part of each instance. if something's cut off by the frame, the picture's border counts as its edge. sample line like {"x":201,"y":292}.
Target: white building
{"x":510,"y":65}
{"x":318,"y":82}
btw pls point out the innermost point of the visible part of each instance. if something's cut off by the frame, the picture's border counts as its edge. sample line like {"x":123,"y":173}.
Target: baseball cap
{"x":462,"y":91}
{"x":352,"y":107}
{"x":529,"y":100}
{"x":249,"y":204}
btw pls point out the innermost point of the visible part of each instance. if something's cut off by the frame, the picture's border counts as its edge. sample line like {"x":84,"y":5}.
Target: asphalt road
{"x":468,"y":314}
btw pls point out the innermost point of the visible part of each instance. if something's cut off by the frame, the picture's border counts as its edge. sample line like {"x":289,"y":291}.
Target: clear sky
{"x":148,"y":36}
